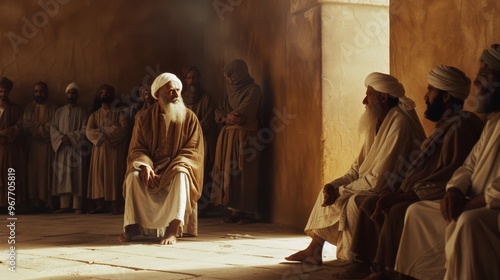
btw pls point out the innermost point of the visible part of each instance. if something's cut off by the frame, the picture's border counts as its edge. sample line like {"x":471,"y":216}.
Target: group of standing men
{"x":416,"y":207}
{"x":173,"y":158}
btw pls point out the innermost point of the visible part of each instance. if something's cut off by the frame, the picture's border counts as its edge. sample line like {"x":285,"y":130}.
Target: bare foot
{"x":305,"y":256}
{"x":170,"y":237}
{"x":130,"y":231}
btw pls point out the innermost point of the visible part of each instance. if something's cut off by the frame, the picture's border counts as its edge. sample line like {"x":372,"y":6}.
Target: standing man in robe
{"x":146,"y":100}
{"x":67,"y":134}
{"x":36,"y":123}
{"x":199,"y":101}
{"x":107,"y":130}
{"x":392,"y":132}
{"x":164,"y":167}
{"x":11,"y":153}
{"x":236,"y":166}
{"x":380,"y":222}
{"x":429,"y":224}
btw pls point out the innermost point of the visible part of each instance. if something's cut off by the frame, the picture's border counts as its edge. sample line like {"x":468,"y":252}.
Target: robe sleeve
{"x":138,"y":153}
{"x":222,"y":111}
{"x":76,"y":136}
{"x":94,"y":133}
{"x":250,"y":105}
{"x":115,"y":133}
{"x":12,"y":133}
{"x":492,"y":194}
{"x":457,"y":144}
{"x":207,"y":120}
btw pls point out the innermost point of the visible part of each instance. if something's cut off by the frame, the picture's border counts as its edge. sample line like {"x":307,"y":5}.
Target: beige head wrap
{"x":162,"y":80}
{"x":450,"y":79}
{"x":491,"y":57}
{"x":388,"y":84}
{"x":73,"y":85}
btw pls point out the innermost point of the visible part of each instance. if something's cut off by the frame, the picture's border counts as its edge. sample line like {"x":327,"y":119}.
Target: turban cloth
{"x":491,"y":57}
{"x":6,"y":83}
{"x":450,"y":79}
{"x":72,"y":86}
{"x":162,"y":80}
{"x":386,"y":84}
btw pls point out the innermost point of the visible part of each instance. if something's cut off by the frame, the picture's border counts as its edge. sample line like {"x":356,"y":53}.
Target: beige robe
{"x":169,"y":150}
{"x":70,"y":160}
{"x":421,"y":251}
{"x":236,"y":166}
{"x":107,"y":130}
{"x":11,"y":153}
{"x":377,"y":168}
{"x":36,"y":124}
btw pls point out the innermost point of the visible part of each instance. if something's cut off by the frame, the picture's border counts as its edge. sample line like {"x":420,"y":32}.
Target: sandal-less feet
{"x":130,"y":231}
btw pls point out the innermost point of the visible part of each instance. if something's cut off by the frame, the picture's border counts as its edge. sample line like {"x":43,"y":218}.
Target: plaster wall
{"x":426,"y":33}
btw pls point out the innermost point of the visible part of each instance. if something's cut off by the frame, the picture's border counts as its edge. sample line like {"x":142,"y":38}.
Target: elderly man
{"x":146,"y":100}
{"x":422,"y":247}
{"x":199,"y":101}
{"x":107,"y":129}
{"x":164,"y":167}
{"x":236,"y":166}
{"x":11,"y":154}
{"x":375,"y":242}
{"x":36,"y":123}
{"x":67,"y":134}
{"x":392,"y":132}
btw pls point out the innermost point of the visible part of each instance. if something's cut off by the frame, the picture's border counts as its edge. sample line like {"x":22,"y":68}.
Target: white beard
{"x":369,"y":120}
{"x":174,"y":111}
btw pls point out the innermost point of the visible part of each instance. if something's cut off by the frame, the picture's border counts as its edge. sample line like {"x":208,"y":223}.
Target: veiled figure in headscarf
{"x":36,"y":124}
{"x":11,"y":153}
{"x":164,"y":167}
{"x":380,"y":222}
{"x":392,"y":131}
{"x":235,"y":173}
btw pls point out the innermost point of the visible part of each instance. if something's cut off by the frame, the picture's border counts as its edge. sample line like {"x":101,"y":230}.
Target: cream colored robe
{"x":170,"y":150}
{"x":70,"y":166}
{"x":36,"y":124}
{"x":236,"y":166}
{"x":372,"y":172}
{"x":421,"y":251}
{"x":11,"y":153}
{"x":107,"y":130}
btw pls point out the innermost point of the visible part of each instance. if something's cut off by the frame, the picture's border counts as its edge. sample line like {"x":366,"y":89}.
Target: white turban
{"x":162,"y":80}
{"x":386,"y":84}
{"x":73,"y":85}
{"x":491,"y":57}
{"x":450,"y":79}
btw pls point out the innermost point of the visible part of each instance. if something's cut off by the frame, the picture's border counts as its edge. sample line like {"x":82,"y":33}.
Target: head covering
{"x":110,"y":89}
{"x":73,"y":85}
{"x":450,"y":79}
{"x":390,"y":85}
{"x":6,"y":83}
{"x":237,"y":70}
{"x":385,"y":83}
{"x":491,"y":57}
{"x":162,"y":80}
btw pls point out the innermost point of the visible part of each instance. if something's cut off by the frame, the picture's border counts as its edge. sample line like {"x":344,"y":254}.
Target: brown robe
{"x":11,"y":153}
{"x":168,"y":150}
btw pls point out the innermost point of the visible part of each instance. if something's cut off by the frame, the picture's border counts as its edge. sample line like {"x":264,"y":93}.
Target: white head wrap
{"x":491,"y":57}
{"x":162,"y":80}
{"x":450,"y":79}
{"x":388,"y":84}
{"x":73,"y":85}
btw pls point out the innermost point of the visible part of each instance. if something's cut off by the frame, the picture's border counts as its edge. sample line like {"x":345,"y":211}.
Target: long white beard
{"x":174,"y":111}
{"x":369,"y":120}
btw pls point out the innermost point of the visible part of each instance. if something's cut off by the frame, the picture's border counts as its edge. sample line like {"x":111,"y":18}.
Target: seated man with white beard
{"x":164,"y":167}
{"x":392,"y":131}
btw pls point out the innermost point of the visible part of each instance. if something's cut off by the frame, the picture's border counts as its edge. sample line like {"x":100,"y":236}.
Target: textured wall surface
{"x":422,"y":37}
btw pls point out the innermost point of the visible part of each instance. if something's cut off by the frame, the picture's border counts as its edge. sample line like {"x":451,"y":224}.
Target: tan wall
{"x":425,"y":33}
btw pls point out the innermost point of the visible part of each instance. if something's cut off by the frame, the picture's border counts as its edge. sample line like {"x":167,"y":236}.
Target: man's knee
{"x":469,"y":219}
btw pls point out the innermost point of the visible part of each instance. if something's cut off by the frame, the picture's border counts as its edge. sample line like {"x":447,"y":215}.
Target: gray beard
{"x":174,"y":111}
{"x":369,"y":120}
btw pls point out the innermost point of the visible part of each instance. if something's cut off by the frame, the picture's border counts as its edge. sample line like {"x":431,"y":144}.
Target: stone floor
{"x":69,"y":246}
